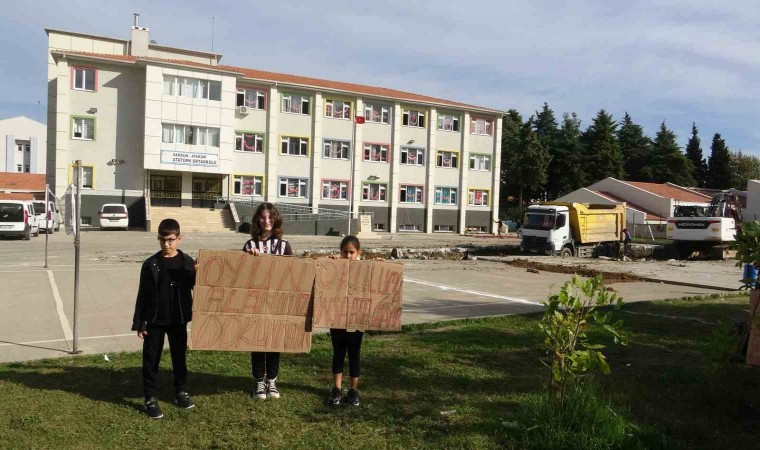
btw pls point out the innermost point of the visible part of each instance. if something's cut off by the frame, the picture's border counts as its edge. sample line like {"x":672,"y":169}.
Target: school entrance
{"x":166,"y":190}
{"x":205,"y":191}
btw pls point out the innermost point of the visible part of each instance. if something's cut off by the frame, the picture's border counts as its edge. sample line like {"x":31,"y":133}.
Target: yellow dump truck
{"x":571,"y":229}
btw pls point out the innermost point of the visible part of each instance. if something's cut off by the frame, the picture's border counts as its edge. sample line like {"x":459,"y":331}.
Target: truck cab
{"x":546,"y":229}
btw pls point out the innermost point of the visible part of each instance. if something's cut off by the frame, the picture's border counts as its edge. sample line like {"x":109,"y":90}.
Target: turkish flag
{"x":359,"y":119}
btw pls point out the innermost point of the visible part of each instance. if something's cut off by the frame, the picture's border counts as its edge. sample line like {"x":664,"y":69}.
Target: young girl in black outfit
{"x":346,"y":341}
{"x":266,"y":237}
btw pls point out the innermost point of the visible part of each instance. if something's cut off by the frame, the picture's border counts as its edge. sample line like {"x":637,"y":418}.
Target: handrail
{"x":291,"y":212}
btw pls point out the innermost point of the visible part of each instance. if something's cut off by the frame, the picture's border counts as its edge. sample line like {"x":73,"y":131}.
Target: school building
{"x":159,"y":127}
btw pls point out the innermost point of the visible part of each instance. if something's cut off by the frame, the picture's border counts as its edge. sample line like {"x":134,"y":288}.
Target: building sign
{"x":189,"y":158}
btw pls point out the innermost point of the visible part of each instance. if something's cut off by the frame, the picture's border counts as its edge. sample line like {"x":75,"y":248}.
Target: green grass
{"x":484,"y":375}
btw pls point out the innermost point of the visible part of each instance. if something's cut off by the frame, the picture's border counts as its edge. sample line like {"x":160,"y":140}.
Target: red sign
{"x":359,"y":119}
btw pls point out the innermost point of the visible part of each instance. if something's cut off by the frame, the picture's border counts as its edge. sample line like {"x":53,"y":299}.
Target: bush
{"x":584,"y":421}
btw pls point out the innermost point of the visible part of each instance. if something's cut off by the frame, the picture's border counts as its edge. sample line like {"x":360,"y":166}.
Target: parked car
{"x":17,"y":218}
{"x":114,"y":215}
{"x":53,"y":222}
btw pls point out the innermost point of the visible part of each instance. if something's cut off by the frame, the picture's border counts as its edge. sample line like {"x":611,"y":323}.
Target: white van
{"x":114,"y":215}
{"x":17,"y":218}
{"x":53,"y":222}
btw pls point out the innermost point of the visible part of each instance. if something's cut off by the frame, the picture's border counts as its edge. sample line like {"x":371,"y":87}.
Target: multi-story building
{"x":24,"y":145}
{"x":174,"y":127}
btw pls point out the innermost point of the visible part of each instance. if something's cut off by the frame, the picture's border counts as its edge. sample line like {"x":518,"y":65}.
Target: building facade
{"x":25,"y":145}
{"x":173,"y":127}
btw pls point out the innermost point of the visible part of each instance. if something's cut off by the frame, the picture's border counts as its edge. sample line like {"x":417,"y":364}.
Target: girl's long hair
{"x":274,"y":215}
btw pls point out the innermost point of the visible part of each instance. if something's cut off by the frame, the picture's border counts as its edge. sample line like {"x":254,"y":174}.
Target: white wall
{"x":752,"y":211}
{"x":22,"y":129}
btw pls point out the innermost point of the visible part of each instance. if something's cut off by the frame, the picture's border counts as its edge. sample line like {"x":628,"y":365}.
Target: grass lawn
{"x":448,"y":385}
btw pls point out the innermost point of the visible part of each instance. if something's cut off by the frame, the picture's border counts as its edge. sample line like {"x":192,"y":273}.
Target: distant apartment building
{"x":174,"y":127}
{"x":25,"y":145}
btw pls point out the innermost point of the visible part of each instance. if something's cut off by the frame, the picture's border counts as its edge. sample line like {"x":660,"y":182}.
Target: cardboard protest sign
{"x":753,"y":348}
{"x":362,"y":295}
{"x":243,"y":302}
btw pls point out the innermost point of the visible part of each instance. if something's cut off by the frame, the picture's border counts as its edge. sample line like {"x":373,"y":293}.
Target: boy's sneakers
{"x":260,"y":390}
{"x":272,"y":389}
{"x":335,"y":395}
{"x":353,"y":397}
{"x":152,"y":409}
{"x":183,"y":400}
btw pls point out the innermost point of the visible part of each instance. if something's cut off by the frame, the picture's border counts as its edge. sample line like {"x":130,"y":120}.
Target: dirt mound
{"x":609,"y":277}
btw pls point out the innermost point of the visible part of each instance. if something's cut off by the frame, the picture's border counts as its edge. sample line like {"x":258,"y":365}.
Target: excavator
{"x":706,"y":232}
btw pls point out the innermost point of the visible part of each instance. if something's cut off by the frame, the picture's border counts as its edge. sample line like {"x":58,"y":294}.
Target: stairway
{"x":194,"y":220}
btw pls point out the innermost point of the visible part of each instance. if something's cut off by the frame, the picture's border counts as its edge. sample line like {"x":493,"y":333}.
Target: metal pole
{"x":47,"y":222}
{"x":77,"y":231}
{"x":351,"y":177}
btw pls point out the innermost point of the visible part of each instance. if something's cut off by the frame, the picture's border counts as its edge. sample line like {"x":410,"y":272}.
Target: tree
{"x":635,"y":148}
{"x":719,"y":164}
{"x":668,"y":163}
{"x":528,"y":164}
{"x":603,"y":157}
{"x":568,"y":160}
{"x":743,"y":168}
{"x":546,"y":128}
{"x":510,"y":141}
{"x":694,"y":154}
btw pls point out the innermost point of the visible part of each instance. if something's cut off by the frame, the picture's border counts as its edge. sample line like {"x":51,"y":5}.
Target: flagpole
{"x":351,"y":177}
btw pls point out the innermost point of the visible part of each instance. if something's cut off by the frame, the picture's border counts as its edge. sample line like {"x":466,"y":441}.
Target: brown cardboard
{"x":753,"y":349}
{"x":243,"y":302}
{"x":362,"y":295}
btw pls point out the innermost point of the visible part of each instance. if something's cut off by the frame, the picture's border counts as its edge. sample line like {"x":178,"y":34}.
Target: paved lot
{"x":36,"y":304}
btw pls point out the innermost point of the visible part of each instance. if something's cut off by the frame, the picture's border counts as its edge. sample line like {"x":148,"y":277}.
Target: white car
{"x":114,"y":215}
{"x":53,"y":222}
{"x":17,"y":218}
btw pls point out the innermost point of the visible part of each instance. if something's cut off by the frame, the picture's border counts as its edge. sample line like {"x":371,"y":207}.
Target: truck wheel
{"x":566,"y":253}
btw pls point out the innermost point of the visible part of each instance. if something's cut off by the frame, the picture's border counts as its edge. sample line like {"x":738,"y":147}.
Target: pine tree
{"x":668,"y":163}
{"x":635,"y":148}
{"x":571,"y":153}
{"x":603,"y":157}
{"x":528,"y":164}
{"x":719,"y":165}
{"x":546,"y":128}
{"x":694,"y":154}
{"x":510,"y":141}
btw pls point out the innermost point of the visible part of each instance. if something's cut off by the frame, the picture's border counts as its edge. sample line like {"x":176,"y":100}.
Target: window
{"x":26,"y":168}
{"x":185,"y":134}
{"x":335,"y":149}
{"x":251,"y":98}
{"x":478,"y":197}
{"x":378,"y":227}
{"x":481,"y":126}
{"x":192,"y":87}
{"x":23,"y":146}
{"x":409,"y":227}
{"x":480,"y":162}
{"x":249,"y":142}
{"x":83,"y":128}
{"x":412,"y":156}
{"x":84,"y":79}
{"x":449,"y":160}
{"x":86,"y":176}
{"x":377,"y":113}
{"x":373,"y":192}
{"x":413,"y":118}
{"x":296,"y":104}
{"x":337,"y":109}
{"x":248,"y":185}
{"x":293,"y":187}
{"x":443,"y":228}
{"x":410,"y":194}
{"x":18,"y":168}
{"x":445,"y":196}
{"x":334,"y":190}
{"x":376,"y":152}
{"x":448,"y":122}
{"x":294,"y":146}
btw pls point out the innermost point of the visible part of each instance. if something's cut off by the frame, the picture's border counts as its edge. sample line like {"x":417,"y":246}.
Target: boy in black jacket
{"x":164,"y":307}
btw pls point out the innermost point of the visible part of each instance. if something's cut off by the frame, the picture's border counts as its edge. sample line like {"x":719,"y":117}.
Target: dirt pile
{"x":609,"y":277}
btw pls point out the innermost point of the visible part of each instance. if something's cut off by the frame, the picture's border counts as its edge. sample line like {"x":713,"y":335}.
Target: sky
{"x":679,"y":61}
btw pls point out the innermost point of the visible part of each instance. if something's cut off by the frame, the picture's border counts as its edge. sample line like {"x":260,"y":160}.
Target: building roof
{"x":670,"y":190}
{"x":649,"y":215}
{"x":17,"y":196}
{"x":295,"y":80}
{"x":22,"y":182}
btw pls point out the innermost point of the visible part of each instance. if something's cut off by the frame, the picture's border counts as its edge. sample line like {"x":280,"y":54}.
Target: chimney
{"x":138,"y":46}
